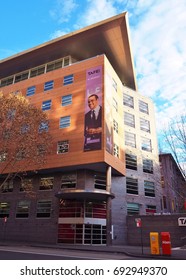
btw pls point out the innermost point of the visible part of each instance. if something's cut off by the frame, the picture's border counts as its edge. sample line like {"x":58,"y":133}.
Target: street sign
{"x":182,"y":222}
{"x":138,"y":222}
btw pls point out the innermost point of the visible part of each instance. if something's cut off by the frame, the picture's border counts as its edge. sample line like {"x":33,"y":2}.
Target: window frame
{"x":68,"y":79}
{"x":31,"y":91}
{"x":49,"y":85}
{"x":64,"y":147}
{"x":130,"y":139}
{"x":132,"y":186}
{"x":66,"y":100}
{"x":65,"y":122}
{"x":44,"y":207}
{"x":46,"y":105}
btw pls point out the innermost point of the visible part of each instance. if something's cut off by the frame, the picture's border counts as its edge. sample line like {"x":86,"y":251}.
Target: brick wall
{"x":161,"y":223}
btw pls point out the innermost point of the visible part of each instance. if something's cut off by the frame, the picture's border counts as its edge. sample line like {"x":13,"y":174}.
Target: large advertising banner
{"x":108,"y":113}
{"x":93,"y":109}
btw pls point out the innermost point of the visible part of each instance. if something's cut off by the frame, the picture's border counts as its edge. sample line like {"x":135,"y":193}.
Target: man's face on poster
{"x":92,"y":102}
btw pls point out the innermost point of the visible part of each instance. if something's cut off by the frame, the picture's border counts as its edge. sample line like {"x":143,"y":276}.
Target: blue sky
{"x":157,"y":30}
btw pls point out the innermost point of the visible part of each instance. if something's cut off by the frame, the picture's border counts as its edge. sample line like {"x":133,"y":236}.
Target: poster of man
{"x":93,"y":110}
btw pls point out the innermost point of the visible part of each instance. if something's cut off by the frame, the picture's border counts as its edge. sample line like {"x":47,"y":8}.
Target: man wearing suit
{"x":93,"y":124}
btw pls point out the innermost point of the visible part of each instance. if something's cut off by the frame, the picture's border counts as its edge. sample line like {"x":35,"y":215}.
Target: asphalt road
{"x":37,"y":253}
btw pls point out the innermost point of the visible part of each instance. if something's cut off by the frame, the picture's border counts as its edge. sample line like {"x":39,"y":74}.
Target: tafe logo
{"x":182,"y":222}
{"x":94,"y":72}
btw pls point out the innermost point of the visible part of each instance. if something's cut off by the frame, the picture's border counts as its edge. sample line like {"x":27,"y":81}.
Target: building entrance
{"x":82,"y":222}
{"x":82,"y":234}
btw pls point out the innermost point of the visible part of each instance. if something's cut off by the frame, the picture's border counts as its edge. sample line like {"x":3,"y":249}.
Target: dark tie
{"x":93,"y":116}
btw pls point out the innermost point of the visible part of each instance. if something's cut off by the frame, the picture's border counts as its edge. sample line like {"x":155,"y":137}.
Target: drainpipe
{"x":108,"y":217}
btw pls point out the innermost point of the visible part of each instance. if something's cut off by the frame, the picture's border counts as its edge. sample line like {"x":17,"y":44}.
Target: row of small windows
{"x":129,"y":101}
{"x":129,"y":119}
{"x":131,"y":163}
{"x":62,"y":146}
{"x":132,"y":187}
{"x":43,"y":209}
{"x":67,"y":209}
{"x":134,"y":209}
{"x":68,"y":181}
{"x":130,"y":140}
{"x":63,"y":62}
{"x":49,"y":85}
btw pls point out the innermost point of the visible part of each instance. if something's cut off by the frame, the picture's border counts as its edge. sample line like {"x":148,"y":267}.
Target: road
{"x":40,"y":253}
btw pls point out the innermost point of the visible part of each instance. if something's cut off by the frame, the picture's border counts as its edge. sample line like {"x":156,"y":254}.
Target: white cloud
{"x":97,"y":10}
{"x":63,"y":10}
{"x":159,"y":49}
{"x":58,"y":33}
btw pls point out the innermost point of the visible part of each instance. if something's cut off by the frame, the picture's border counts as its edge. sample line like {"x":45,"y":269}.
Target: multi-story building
{"x":173,"y":185}
{"x":85,"y":81}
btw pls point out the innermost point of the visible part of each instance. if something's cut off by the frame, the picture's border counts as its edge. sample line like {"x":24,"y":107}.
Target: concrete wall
{"x":161,"y":223}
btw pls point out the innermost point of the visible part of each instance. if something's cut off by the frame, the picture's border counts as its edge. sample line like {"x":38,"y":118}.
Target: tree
{"x":175,"y":137}
{"x":24,"y":138}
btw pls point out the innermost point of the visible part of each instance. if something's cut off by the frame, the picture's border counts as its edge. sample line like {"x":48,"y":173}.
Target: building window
{"x":44,"y":126}
{"x":146,"y":144}
{"x":100,"y":182}
{"x":162,"y":181}
{"x":132,"y":208}
{"x":130,"y":139}
{"x":54,"y":65}
{"x":68,"y":181}
{"x":149,"y":188}
{"x":115,"y":126}
{"x":48,"y":85}
{"x":62,"y":147}
{"x":37,"y":71}
{"x":46,"y":183}
{"x":26,"y":185}
{"x":66,"y":100}
{"x":64,"y":122}
{"x":66,"y":61}
{"x":150,"y":209}
{"x":147,"y":166}
{"x":3,"y":156}
{"x":68,"y":79}
{"x":7,"y":187}
{"x":21,"y":77}
{"x":129,"y":119}
{"x":164,"y":202}
{"x":128,"y":101}
{"x":114,"y":84}
{"x":131,"y":185}
{"x":46,"y":105}
{"x":20,"y":155}
{"x":31,"y":91}
{"x":22,"y":210}
{"x":115,"y":104}
{"x":71,"y":209}
{"x":95,"y":209}
{"x":44,"y":208}
{"x":143,"y":107}
{"x":4,"y":209}
{"x":7,"y":81}
{"x":131,"y":161}
{"x":144,"y":125}
{"x":116,"y":150}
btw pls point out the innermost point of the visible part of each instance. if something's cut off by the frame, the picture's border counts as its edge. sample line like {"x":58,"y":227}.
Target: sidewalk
{"x":135,"y":251}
